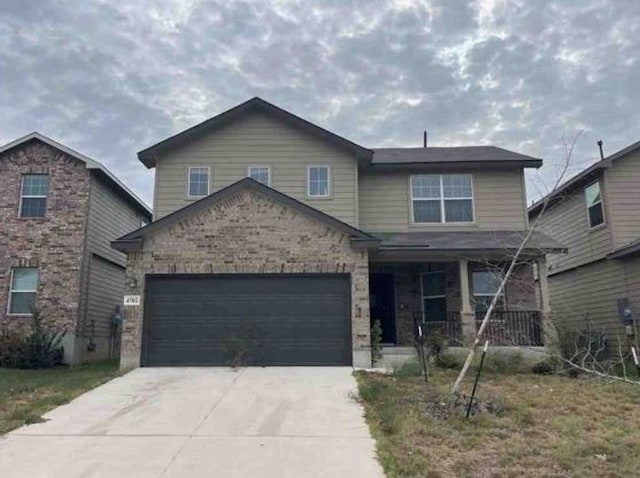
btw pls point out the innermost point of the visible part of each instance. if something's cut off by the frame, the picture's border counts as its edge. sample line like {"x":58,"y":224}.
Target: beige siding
{"x":499,"y":202}
{"x":568,"y":223}
{"x":589,"y":294}
{"x":623,"y":193}
{"x":258,"y":140}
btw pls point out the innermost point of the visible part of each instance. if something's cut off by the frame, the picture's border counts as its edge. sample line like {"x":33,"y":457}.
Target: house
{"x":276,"y":241}
{"x":59,"y":211}
{"x":596,"y":214}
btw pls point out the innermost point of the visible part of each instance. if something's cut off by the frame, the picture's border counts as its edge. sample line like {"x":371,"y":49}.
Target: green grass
{"x":25,"y":395}
{"x":549,"y":426}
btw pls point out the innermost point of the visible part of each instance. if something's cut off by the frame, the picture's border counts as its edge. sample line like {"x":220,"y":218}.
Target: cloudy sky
{"x":109,"y":78}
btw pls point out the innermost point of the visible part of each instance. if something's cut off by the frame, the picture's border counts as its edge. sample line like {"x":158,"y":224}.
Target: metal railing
{"x":450,"y":328}
{"x":512,"y":327}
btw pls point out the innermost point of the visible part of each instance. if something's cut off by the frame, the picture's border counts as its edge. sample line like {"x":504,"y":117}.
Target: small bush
{"x":545,"y":367}
{"x":376,"y":341}
{"x":41,"y":348}
{"x":412,"y":368}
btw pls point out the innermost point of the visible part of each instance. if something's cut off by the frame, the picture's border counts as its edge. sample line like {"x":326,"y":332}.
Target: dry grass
{"x":550,"y":426}
{"x":25,"y":395}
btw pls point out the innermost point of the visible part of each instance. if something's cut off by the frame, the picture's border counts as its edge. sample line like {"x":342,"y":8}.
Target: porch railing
{"x":450,"y":328}
{"x":513,"y":327}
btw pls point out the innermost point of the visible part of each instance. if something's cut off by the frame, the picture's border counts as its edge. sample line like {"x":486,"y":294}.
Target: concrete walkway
{"x":202,"y":422}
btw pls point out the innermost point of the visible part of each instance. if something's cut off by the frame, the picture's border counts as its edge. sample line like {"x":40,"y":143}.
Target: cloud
{"x":110,"y":78}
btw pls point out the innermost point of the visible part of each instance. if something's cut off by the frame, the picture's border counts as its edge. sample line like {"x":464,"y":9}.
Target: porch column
{"x":548,"y":330}
{"x":467,"y":316}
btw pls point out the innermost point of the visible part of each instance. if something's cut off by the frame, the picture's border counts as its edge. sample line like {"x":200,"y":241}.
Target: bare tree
{"x":568,"y":147}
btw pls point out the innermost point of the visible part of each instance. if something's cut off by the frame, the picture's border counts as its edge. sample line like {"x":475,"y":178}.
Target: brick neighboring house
{"x":597,"y":215}
{"x":276,"y":242}
{"x":59,"y":210}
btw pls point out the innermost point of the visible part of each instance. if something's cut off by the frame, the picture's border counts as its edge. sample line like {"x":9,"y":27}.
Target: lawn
{"x":545,"y":426}
{"x":25,"y":395}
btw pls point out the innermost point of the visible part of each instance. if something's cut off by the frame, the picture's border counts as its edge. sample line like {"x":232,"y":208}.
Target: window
{"x":441,"y":198}
{"x":318,"y":181}
{"x":594,"y":204}
{"x":485,"y":287}
{"x":22,"y":294}
{"x":33,"y":200}
{"x":434,"y":296}
{"x":262,"y":174}
{"x":198,"y":182}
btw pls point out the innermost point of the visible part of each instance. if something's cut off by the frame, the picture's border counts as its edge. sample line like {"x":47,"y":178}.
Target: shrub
{"x":545,"y":367}
{"x":376,"y":341}
{"x":41,"y":348}
{"x":411,"y":368}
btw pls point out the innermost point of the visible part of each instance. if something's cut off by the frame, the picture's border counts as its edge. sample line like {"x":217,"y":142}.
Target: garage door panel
{"x":270,"y":320}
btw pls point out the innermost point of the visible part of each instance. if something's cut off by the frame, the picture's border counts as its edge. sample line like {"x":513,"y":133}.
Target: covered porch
{"x":447,"y":290}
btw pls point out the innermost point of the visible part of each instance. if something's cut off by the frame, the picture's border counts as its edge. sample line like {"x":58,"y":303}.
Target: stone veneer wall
{"x":53,"y":244}
{"x":247,"y":233}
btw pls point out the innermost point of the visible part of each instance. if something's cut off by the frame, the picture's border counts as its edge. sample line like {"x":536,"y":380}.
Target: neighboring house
{"x":286,"y":266}
{"x":596,"y":214}
{"x":59,"y":211}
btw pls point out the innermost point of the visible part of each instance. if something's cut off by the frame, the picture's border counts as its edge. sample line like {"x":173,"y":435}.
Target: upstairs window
{"x":445,"y":198}
{"x":594,"y":204}
{"x":262,"y":174}
{"x":33,"y":199}
{"x":22,"y":293}
{"x":318,"y":182}
{"x":198,"y":182}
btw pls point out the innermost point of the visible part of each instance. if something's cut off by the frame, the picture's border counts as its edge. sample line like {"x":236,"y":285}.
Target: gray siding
{"x":590,"y":294}
{"x":568,"y":223}
{"x":499,"y":201}
{"x":623,"y":192}
{"x":110,"y":217}
{"x":258,"y":140}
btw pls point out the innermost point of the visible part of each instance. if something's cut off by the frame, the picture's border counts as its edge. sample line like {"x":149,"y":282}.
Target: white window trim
{"x":442,"y":200}
{"x":442,"y":296}
{"x":32,"y":196}
{"x":260,"y":166}
{"x":604,"y":216}
{"x":208,"y":168}
{"x":12,"y":290}
{"x":328,"y":168}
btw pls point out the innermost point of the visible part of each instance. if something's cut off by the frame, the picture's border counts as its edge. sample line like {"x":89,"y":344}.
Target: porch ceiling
{"x":466,"y":243}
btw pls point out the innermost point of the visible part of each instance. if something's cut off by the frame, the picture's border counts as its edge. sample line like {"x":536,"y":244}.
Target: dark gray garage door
{"x":254,"y":319}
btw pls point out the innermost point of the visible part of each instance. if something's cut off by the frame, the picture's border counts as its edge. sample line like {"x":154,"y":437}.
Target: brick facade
{"x":53,"y":244}
{"x":247,"y":233}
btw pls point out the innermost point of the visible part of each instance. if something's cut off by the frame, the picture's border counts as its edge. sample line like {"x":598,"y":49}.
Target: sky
{"x":109,"y":78}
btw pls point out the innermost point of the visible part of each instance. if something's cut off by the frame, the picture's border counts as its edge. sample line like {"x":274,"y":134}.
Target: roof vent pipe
{"x":600,"y":147}
{"x":424,"y":139}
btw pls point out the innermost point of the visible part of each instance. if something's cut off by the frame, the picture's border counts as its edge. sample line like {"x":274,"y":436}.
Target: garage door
{"x":279,"y":319}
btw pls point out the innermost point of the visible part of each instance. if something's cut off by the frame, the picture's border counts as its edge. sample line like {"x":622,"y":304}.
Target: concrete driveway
{"x":202,"y":422}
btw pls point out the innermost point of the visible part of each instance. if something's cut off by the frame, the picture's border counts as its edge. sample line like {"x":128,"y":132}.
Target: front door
{"x":383,"y":304}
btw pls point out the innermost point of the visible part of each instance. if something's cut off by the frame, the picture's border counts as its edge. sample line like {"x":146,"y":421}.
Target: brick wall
{"x":248,"y":233}
{"x":53,"y":244}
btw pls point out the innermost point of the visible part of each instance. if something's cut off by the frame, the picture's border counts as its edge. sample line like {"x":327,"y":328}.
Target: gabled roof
{"x":133,"y":241}
{"x":483,"y":155}
{"x":148,"y":156}
{"x":90,"y":164}
{"x":583,"y":178}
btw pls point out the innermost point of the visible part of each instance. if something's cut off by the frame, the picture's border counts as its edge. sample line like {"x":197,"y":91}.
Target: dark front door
{"x":283,"y":319}
{"x":383,"y":304}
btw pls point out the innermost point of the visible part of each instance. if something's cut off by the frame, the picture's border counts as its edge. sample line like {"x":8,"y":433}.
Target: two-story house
{"x":596,"y":214}
{"x":276,"y":242}
{"x":59,"y":211}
